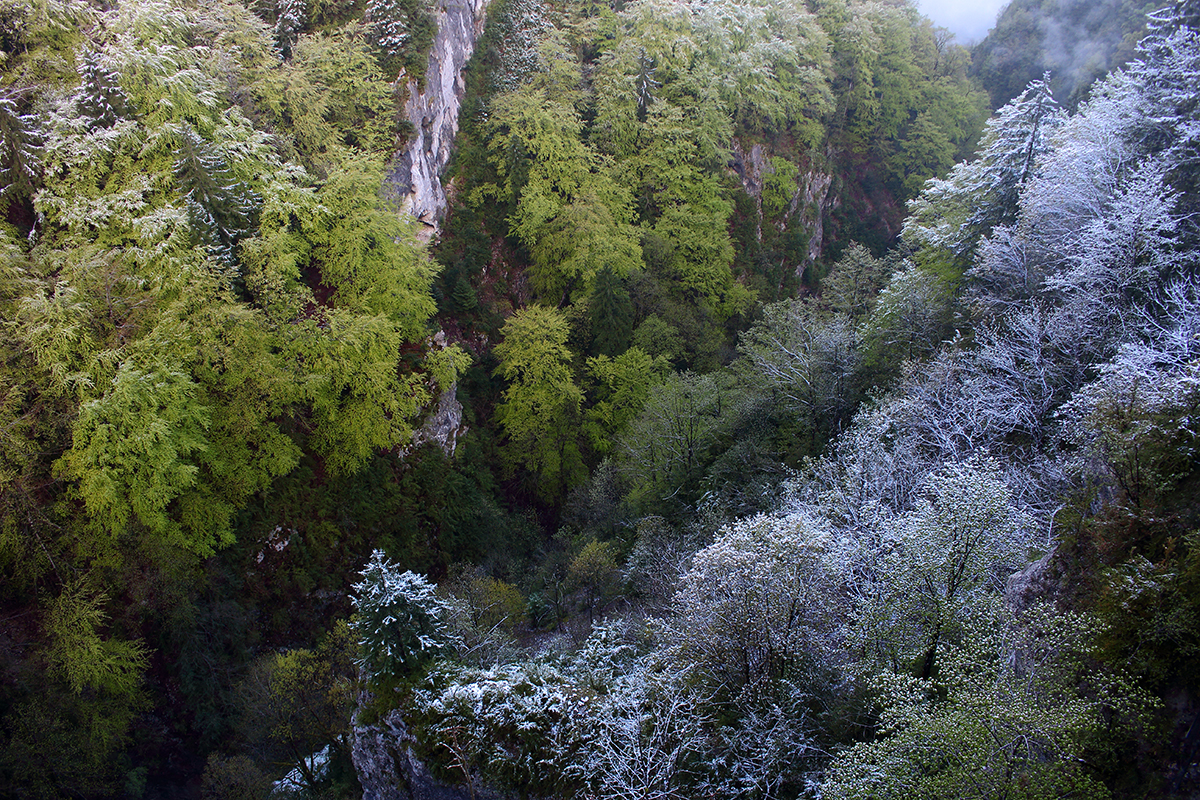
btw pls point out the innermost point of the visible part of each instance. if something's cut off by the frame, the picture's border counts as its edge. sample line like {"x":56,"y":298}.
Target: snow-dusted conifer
{"x":20,"y":148}
{"x":955,"y":213}
{"x":391,"y":24}
{"x":100,"y":97}
{"x":221,"y":209}
{"x":399,"y":619}
{"x":290,"y":16}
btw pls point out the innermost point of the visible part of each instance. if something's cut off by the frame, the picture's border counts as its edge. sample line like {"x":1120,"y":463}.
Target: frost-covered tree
{"x":753,"y":607}
{"x":954,"y":213}
{"x":398,"y":26}
{"x":100,"y":97}
{"x":290,"y":17}
{"x":647,"y":731}
{"x":21,"y":141}
{"x":807,"y":356}
{"x":915,"y":580}
{"x":399,"y":619}
{"x":1138,"y":420}
{"x":909,"y":318}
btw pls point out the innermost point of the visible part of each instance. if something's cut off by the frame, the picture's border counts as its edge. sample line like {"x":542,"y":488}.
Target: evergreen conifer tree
{"x":221,"y":209}
{"x":20,"y":148}
{"x":100,"y":98}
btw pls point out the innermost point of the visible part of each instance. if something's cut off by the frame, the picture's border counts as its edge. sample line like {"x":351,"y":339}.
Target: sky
{"x":969,"y":19}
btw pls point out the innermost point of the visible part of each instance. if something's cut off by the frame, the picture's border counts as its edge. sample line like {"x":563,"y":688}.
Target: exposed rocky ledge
{"x":443,"y":426}
{"x":388,"y":769}
{"x":416,"y":176}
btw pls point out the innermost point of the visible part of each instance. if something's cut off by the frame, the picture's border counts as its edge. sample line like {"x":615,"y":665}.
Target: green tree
{"x":81,"y":656}
{"x":540,"y":410}
{"x":623,"y":387}
{"x":593,"y":571}
{"x":296,"y":702}
{"x":572,"y":216}
{"x":611,"y":313}
{"x":137,"y":452}
{"x":221,"y":211}
{"x":854,"y":282}
{"x":1009,"y":716}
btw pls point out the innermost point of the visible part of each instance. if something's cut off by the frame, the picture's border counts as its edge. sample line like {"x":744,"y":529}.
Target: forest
{"x":789,"y":402}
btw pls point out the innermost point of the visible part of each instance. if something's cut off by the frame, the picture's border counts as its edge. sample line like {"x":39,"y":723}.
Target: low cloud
{"x":970,"y":21}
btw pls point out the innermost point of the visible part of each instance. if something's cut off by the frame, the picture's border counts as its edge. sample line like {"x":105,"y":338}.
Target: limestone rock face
{"x":416,"y":177}
{"x":810,"y":202}
{"x":443,"y":426}
{"x":1040,"y":581}
{"x":389,"y":770}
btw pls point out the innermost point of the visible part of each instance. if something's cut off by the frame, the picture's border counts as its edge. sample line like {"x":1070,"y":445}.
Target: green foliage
{"x":137,"y":451}
{"x":779,"y":186}
{"x":573,"y":218}
{"x":623,"y":387}
{"x":854,"y":282}
{"x":611,"y":314}
{"x":367,"y":254}
{"x":233,"y":778}
{"x":664,"y":450}
{"x":539,"y":412}
{"x":493,"y":605}
{"x":81,"y":656}
{"x":295,"y":703}
{"x":593,"y":572}
{"x":333,"y":99}
{"x":349,"y":380}
{"x":1009,"y":717}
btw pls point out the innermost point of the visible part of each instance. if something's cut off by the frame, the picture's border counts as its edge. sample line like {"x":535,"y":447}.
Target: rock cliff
{"x":388,"y":769}
{"x":433,"y":111}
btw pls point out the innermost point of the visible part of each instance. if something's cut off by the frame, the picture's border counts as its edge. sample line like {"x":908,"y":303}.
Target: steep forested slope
{"x":734,"y":497}
{"x":984,"y":586}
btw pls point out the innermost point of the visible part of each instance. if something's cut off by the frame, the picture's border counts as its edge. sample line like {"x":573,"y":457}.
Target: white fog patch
{"x":970,"y":21}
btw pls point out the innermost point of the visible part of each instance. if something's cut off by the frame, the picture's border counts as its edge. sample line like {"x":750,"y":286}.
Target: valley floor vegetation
{"x":823,"y":436}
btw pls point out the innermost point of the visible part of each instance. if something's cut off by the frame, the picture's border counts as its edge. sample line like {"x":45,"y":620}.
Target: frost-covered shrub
{"x":753,"y":606}
{"x":399,"y":620}
{"x":645,"y":734}
{"x":511,"y":725}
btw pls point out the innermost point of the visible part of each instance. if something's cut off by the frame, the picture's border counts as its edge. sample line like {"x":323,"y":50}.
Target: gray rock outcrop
{"x":1040,"y":581}
{"x":388,"y":769}
{"x":416,"y":176}
{"x":810,"y":201}
{"x":443,"y":426}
